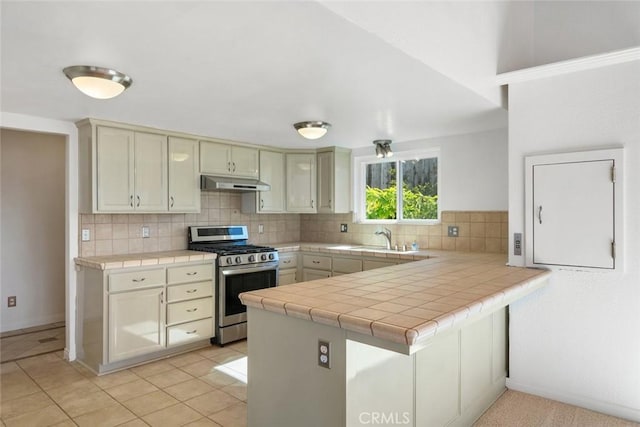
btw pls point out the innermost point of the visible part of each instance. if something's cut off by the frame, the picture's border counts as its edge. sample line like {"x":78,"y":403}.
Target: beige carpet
{"x":515,"y":409}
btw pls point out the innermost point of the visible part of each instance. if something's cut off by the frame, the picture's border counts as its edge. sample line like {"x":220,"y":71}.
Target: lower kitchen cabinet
{"x":131,"y":315}
{"x":136,"y":323}
{"x":309,"y":274}
{"x":287,"y":268}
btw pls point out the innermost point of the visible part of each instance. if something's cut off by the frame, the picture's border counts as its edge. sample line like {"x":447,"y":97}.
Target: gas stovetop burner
{"x":230,"y":244}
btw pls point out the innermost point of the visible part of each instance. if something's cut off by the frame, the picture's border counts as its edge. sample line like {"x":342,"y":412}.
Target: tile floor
{"x":205,"y":387}
{"x":202,"y":388}
{"x":28,"y":342}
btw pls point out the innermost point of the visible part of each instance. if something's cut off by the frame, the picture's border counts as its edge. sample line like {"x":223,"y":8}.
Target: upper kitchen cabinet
{"x":334,"y":167}
{"x":574,"y":210}
{"x":229,"y":160}
{"x":184,"y":185}
{"x":132,"y":169}
{"x":271,"y":172}
{"x":301,"y":182}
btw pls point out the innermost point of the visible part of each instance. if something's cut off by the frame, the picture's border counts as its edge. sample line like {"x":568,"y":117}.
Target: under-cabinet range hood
{"x":224,"y":183}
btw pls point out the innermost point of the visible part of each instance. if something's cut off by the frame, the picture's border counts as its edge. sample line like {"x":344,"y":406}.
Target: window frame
{"x":359,"y":179}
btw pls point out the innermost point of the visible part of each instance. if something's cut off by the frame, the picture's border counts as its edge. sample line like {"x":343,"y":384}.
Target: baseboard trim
{"x":608,"y":408}
{"x":29,"y":323}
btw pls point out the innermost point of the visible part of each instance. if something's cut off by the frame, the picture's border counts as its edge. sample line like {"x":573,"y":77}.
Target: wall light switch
{"x":145,"y":232}
{"x":260,"y":228}
{"x":86,"y":234}
{"x":517,"y":243}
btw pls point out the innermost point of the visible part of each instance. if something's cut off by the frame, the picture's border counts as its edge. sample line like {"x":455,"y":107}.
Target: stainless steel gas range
{"x":240,"y":267}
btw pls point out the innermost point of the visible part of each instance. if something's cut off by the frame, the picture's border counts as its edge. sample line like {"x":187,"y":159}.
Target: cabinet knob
{"x":138,"y":198}
{"x":139,"y":280}
{"x":191,"y":310}
{"x":190,"y":291}
{"x":234,"y":166}
{"x":261,"y":203}
{"x":171,"y":199}
{"x":192,"y":273}
{"x":191,"y":332}
{"x":131,"y":200}
{"x":312,"y":204}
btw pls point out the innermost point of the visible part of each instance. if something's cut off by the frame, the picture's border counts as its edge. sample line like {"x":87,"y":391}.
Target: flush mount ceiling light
{"x":383,"y":148}
{"x":97,"y":82}
{"x":312,"y":130}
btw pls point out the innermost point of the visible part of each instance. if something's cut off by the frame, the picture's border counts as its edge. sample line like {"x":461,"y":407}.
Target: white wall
{"x":473,"y":169}
{"x":33,"y":228}
{"x":578,"y":340}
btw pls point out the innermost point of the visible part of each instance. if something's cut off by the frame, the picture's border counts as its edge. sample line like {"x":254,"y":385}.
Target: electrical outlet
{"x":343,"y":228}
{"x":452,"y":231}
{"x":324,"y":354}
{"x":517,"y":243}
{"x":145,"y":232}
{"x":86,"y":234}
{"x":260,"y":228}
{"x":11,"y":301}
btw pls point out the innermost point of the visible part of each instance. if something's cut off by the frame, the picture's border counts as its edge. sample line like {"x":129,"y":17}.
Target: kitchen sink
{"x":368,"y":248}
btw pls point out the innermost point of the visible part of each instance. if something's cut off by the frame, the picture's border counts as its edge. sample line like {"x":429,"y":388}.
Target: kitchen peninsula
{"x":421,"y":343}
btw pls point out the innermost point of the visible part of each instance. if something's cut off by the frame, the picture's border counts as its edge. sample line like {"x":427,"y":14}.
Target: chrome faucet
{"x":387,"y":234}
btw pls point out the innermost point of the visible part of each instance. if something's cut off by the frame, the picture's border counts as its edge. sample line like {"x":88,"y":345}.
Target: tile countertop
{"x":406,"y":303}
{"x":142,"y":259}
{"x":346,"y":249}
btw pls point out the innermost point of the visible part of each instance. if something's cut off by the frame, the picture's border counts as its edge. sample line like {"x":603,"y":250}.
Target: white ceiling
{"x":247,"y":71}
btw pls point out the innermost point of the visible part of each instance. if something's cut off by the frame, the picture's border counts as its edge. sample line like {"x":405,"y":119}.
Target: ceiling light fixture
{"x":97,"y":82}
{"x":312,"y":130}
{"x":383,"y":148}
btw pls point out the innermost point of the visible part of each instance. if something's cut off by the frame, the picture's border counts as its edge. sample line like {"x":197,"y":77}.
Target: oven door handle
{"x":244,"y":269}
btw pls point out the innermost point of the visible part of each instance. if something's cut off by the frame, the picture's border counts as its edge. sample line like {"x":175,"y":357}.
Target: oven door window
{"x":235,"y":284}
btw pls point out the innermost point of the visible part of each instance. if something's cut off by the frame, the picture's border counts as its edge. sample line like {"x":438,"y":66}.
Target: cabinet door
{"x":287,"y":277}
{"x":325,"y":182}
{"x":115,"y":169}
{"x":184,"y":186}
{"x":272,"y":172}
{"x":136,"y":323}
{"x":244,"y":162}
{"x":215,"y":158}
{"x":573,"y":214}
{"x":151,"y":172}
{"x":301,"y":183}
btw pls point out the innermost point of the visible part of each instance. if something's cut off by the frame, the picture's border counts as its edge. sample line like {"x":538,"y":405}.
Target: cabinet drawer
{"x":189,"y":291}
{"x":189,"y":273}
{"x":192,"y":331}
{"x":347,"y":265}
{"x":288,"y":260}
{"x":317,"y":262}
{"x":136,"y":279}
{"x":309,"y":274}
{"x":187,"y":311}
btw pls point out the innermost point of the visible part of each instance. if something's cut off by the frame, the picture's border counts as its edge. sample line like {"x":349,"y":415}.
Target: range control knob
{"x":263,"y":257}
{"x":252,"y":258}
{"x":229,"y":260}
{"x":271,"y":256}
{"x":238,"y":260}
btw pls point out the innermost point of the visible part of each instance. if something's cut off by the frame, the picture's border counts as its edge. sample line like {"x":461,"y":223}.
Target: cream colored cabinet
{"x":131,"y":171}
{"x":184,"y":185}
{"x":129,"y":315}
{"x":136,"y":323}
{"x":231,"y":160}
{"x":315,"y":267}
{"x":301,"y":182}
{"x":334,"y":180}
{"x":271,"y":172}
{"x":151,"y":181}
{"x":288,"y":268}
{"x":191,"y":307}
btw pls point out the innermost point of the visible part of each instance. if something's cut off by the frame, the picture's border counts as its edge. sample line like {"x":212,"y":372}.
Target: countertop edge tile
{"x":142,"y":259}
